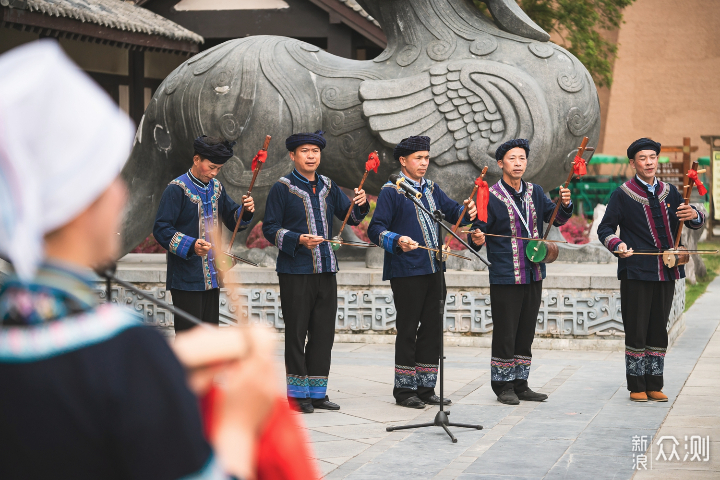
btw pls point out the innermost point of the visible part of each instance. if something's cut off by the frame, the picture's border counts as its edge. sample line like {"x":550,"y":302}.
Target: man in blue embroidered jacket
{"x":648,"y":213}
{"x":188,"y":226}
{"x":399,"y":227}
{"x":298,"y":219}
{"x":516,"y":208}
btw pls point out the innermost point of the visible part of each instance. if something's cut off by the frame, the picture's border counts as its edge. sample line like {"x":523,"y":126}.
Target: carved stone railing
{"x":573,"y":305}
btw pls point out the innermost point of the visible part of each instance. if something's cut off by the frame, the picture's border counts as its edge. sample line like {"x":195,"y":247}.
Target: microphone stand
{"x":108,"y":272}
{"x":441,"y":418}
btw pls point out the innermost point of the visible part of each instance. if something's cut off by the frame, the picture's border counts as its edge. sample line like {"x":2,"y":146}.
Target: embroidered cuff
{"x":611,"y":242}
{"x":180,"y":245}
{"x":287,"y":241}
{"x":389,"y":242}
{"x":358,"y":213}
{"x":563,"y":215}
{"x":317,"y":387}
{"x":698,"y":222}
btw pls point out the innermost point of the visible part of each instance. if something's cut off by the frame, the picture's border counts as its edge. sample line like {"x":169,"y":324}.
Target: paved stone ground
{"x":584,"y":430}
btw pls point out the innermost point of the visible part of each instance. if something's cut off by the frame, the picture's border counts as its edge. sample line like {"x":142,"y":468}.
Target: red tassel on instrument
{"x":579,"y":167}
{"x":373,"y":162}
{"x":283,"y":451}
{"x":694,"y":177}
{"x":259,"y":158}
{"x":483,"y":197}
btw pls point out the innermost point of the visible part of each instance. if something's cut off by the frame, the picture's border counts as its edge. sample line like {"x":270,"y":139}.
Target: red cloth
{"x":373,"y":162}
{"x":284,"y":452}
{"x":283,"y":449}
{"x":694,"y":177}
{"x":579,"y":167}
{"x":259,"y":158}
{"x":483,"y":197}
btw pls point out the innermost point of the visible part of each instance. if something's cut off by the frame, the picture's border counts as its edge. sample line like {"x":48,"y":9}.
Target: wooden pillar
{"x":686,"y":154}
{"x":339,"y":37}
{"x":136,"y":75}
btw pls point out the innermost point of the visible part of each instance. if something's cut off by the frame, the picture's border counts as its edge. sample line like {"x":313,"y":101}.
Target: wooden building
{"x":341,"y":27}
{"x":127,"y":49}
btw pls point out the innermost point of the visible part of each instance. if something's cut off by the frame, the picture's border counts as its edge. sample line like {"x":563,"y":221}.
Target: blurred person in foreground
{"x":88,"y":392}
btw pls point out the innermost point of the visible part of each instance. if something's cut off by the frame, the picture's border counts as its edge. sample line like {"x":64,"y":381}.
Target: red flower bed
{"x":361,"y":230}
{"x":149,"y":245}
{"x":576,"y":230}
{"x":256,"y":238}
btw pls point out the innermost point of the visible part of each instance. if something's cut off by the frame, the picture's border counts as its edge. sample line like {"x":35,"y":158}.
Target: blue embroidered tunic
{"x":296,"y":207}
{"x":510,"y":265}
{"x":648,"y":222}
{"x":190,"y":210}
{"x":88,"y":391}
{"x":396,"y":216}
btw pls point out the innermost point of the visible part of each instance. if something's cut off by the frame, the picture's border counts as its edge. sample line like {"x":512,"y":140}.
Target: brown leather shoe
{"x":638,"y":396}
{"x":657,"y":396}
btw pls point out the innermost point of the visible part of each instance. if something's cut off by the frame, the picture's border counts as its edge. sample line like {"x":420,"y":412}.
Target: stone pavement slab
{"x":586,"y":429}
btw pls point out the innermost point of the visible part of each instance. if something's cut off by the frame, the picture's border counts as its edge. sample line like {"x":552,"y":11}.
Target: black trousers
{"x":203,"y":304}
{"x":514,"y":313}
{"x":309,"y":306}
{"x":645,"y":311}
{"x":417,"y":345}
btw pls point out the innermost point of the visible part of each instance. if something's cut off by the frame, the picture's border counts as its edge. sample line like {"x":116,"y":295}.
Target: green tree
{"x":578,"y":23}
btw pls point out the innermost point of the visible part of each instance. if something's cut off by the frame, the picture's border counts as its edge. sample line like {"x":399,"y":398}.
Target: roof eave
{"x":62,"y":26}
{"x":354,"y":20}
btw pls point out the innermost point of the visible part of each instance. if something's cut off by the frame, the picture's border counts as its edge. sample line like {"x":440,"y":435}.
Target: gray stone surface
{"x":584,"y":430}
{"x":580,"y":308}
{"x":448,"y":72}
{"x":696,"y":267}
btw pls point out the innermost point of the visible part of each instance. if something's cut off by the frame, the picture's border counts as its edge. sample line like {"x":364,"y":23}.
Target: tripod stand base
{"x":441,"y":420}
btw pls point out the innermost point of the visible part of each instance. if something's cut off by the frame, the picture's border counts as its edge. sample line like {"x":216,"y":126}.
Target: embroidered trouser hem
{"x":645,"y":312}
{"x":417,"y":345}
{"x":309,"y":305}
{"x":514,"y":313}
{"x":202,"y":304}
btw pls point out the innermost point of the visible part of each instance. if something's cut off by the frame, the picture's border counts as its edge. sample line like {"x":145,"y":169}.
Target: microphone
{"x":402,"y":184}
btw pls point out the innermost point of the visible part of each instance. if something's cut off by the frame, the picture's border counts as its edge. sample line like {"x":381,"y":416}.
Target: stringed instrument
{"x":679,"y":255}
{"x":446,"y":247}
{"x":372,"y":164}
{"x":542,"y":251}
{"x":224,"y":261}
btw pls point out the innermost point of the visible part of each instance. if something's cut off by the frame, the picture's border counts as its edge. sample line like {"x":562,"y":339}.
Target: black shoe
{"x":435,"y":400}
{"x":301,"y":406}
{"x":530,"y":396}
{"x":325,"y":404}
{"x":412,"y":402}
{"x":508,"y":397}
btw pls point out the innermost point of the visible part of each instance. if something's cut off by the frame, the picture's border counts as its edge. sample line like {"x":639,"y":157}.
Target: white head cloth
{"x":62,"y":143}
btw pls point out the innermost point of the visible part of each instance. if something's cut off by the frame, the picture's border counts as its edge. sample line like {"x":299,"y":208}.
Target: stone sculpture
{"x":447,"y":72}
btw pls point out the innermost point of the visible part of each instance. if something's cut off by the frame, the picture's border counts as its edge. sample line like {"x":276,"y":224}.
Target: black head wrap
{"x":410,"y":145}
{"x":298,"y":139}
{"x":217,"y":150}
{"x":642,"y":144}
{"x":509,"y":145}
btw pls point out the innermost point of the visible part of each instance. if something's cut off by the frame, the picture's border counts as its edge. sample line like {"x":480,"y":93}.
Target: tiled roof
{"x":354,"y":5}
{"x":117,"y":14}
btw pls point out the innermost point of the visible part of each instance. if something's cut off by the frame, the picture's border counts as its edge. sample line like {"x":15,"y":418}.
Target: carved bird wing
{"x":467,"y":108}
